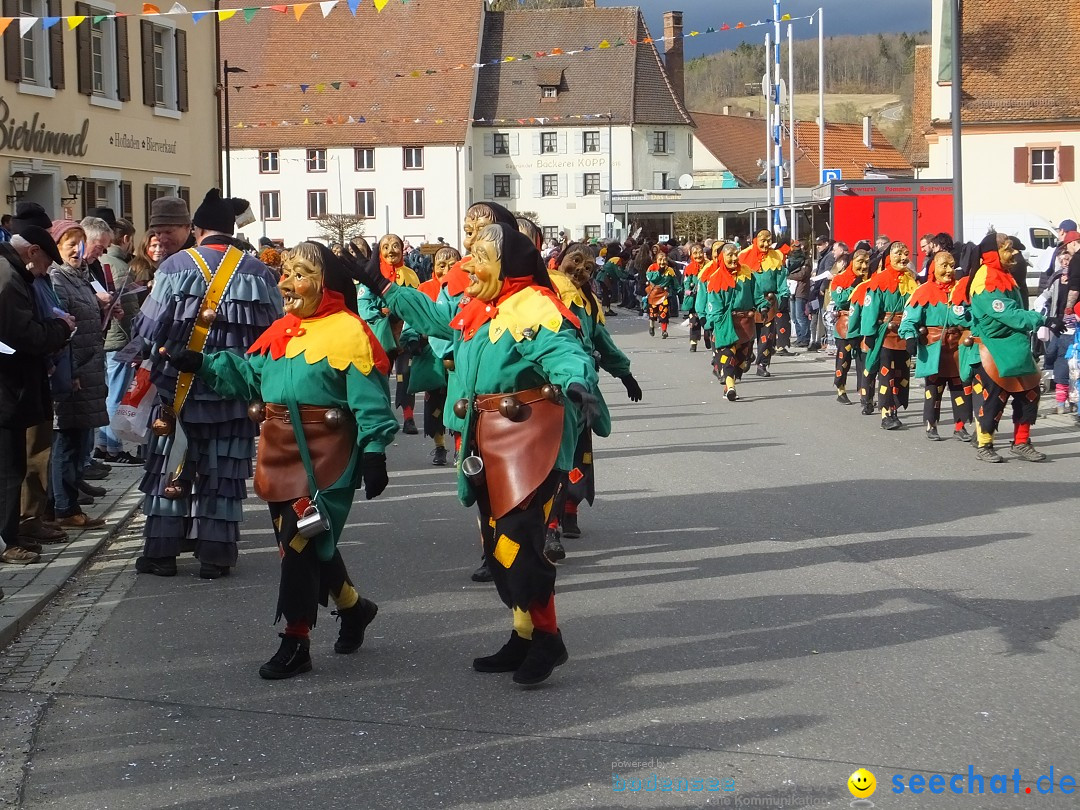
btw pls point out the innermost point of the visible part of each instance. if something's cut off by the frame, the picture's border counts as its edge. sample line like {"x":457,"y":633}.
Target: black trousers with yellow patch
{"x":893,"y":378}
{"x":514,"y":545}
{"x":733,"y":361}
{"x":990,"y":400}
{"x":402,"y":398}
{"x":660,"y":312}
{"x":434,"y":403}
{"x":850,"y":351}
{"x":306,"y":581}
{"x":935,"y":390}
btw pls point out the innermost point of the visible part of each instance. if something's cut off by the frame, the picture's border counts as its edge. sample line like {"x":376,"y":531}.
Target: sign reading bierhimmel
{"x":30,"y":136}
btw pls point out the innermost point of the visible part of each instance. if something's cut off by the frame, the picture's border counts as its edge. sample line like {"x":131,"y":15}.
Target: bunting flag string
{"x":345,"y":120}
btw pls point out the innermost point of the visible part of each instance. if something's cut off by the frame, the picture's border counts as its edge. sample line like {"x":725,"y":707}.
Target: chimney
{"x":673,"y":51}
{"x":727,"y":109}
{"x":589,"y":4}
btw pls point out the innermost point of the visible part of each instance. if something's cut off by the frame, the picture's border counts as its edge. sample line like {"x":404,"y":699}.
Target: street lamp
{"x":20,"y":184}
{"x":610,"y":230}
{"x":228,"y":70}
{"x":74,"y":186}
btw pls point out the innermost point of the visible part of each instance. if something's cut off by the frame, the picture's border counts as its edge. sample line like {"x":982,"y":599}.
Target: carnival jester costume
{"x":662,"y":292}
{"x":882,"y":310}
{"x":730,"y":310}
{"x":846,"y":331}
{"x":691,"y":282}
{"x":704,"y":275}
{"x":771,"y":293}
{"x":326,"y":423}
{"x":935,"y":324}
{"x":515,"y":353}
{"x":1005,"y":368}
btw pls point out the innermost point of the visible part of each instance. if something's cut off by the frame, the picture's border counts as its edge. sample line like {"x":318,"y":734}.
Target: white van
{"x":1038,"y":233}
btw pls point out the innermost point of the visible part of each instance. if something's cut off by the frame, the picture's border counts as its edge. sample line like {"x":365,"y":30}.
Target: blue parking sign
{"x":828,"y":175}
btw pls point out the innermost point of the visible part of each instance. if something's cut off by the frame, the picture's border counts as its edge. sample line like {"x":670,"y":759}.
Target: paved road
{"x":770,"y":593}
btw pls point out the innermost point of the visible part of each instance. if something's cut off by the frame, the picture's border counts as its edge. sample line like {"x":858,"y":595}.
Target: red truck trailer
{"x":900,"y":209}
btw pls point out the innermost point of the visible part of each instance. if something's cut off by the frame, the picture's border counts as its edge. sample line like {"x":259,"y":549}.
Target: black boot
{"x":212,"y":571}
{"x":158,"y":566}
{"x":570,"y":526}
{"x":508,"y":658}
{"x":292,"y":658}
{"x":553,"y":547}
{"x":409,"y":427}
{"x":546,"y":652}
{"x":483,"y":573}
{"x":354,"y":621}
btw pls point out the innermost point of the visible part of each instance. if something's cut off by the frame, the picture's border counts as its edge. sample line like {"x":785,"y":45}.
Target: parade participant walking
{"x":934,"y":325}
{"x":609,"y":276}
{"x":691,"y":281}
{"x":771,"y":292}
{"x":730,"y":311}
{"x":1005,"y":369}
{"x":317,"y":381}
{"x":662,"y":293}
{"x":210,"y":298}
{"x":515,"y":350}
{"x":572,"y":283}
{"x":704,"y":275}
{"x":846,"y":331}
{"x":882,"y":310}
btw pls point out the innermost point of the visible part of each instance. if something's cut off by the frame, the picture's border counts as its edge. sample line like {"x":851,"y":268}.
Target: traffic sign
{"x":827,"y":175}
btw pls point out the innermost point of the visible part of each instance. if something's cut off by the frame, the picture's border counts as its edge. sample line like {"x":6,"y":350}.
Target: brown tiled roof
{"x":738,"y":142}
{"x":1020,"y":63}
{"x":627,"y":81}
{"x":918,"y":150}
{"x":368,"y":49}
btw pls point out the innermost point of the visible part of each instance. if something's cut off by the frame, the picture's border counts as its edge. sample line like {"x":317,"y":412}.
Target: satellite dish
{"x":686,"y":181}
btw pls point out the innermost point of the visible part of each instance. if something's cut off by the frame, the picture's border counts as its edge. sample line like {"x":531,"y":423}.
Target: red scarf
{"x":431,"y":288}
{"x":997,"y":278}
{"x":753,"y":256}
{"x":888,"y":279}
{"x":691,"y":269}
{"x":930,"y":293}
{"x":477,"y":312}
{"x":389,"y":271}
{"x":457,"y":279}
{"x":720,"y":279}
{"x":960,"y":291}
{"x":844,"y":279}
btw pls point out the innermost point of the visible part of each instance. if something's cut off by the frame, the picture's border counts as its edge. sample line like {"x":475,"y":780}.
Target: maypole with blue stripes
{"x":777,"y":125}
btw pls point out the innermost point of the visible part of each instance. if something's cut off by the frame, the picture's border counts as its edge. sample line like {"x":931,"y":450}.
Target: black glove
{"x":371,"y":276}
{"x":586,"y":402}
{"x":633,"y":390}
{"x":912,"y":345}
{"x":186,"y":360}
{"x":373,"y":470}
{"x":1055,"y":325}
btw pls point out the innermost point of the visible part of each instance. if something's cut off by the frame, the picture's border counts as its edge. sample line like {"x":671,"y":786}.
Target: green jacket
{"x":887,"y":293}
{"x":930,"y":306}
{"x":668,"y":280}
{"x":719,"y":305}
{"x":1002,"y":323}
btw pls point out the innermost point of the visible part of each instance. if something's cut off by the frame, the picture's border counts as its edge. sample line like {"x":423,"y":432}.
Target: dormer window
{"x":549,"y":91}
{"x":550,"y":81}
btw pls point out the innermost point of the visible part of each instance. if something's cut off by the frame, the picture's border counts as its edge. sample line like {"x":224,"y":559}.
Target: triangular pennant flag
{"x":336,"y":85}
{"x":380,"y":4}
{"x":329,"y":120}
{"x":5,"y":22}
{"x":150,"y":8}
{"x":327,"y":6}
{"x":319,"y":88}
{"x":299,"y":9}
{"x":49,"y":22}
{"x":304,"y":88}
{"x":353,"y":5}
{"x":73,"y":22}
{"x":785,"y":17}
{"x":306,"y":122}
{"x":604,"y":44}
{"x":178,"y":9}
{"x":227,"y":13}
{"x":25,"y":24}
{"x":710,"y":30}
{"x":694,"y":33}
{"x":741,"y":25}
{"x":281,"y":9}
{"x":249,"y":14}
{"x":99,"y":17}
{"x":725,"y":27}
{"x":350,"y":120}
{"x":361,"y":120}
{"x":353,"y":84}
{"x":556,"y":51}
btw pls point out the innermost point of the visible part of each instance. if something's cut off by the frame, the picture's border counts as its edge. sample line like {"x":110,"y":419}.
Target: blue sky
{"x":841,"y":17}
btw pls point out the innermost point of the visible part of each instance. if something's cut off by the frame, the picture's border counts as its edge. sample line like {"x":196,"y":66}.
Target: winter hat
{"x":1071,"y":236}
{"x":62,"y":226}
{"x":36,"y":235}
{"x":105,"y":213}
{"x":27,"y":214}
{"x":1067,"y":225}
{"x":169,"y":211}
{"x":217,"y":213}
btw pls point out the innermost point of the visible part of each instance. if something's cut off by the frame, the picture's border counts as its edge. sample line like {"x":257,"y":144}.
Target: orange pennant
{"x":149,"y":8}
{"x":299,"y":9}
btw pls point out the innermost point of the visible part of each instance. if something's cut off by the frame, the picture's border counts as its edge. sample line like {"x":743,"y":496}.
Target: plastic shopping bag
{"x":131,"y":421}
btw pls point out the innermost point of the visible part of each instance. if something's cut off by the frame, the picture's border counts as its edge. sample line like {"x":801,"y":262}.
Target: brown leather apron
{"x":279,"y":472}
{"x":657,"y":295}
{"x":519,"y":453}
{"x":1014,"y":385}
{"x":892,"y":339}
{"x":745,"y":324}
{"x":842,"y":323}
{"x":950,"y":338}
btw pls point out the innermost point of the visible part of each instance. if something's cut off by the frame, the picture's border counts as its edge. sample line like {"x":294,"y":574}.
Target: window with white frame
{"x":413,"y":157}
{"x":660,"y":180}
{"x":268,"y":161}
{"x":550,"y":91}
{"x":34,"y":45}
{"x":364,"y":159}
{"x":592,"y":184}
{"x":365,"y":203}
{"x":500,"y":143}
{"x":549,"y":185}
{"x":414,"y":202}
{"x":501,"y":186}
{"x":316,"y":160}
{"x":551,"y":233}
{"x":104,"y":63}
{"x":659,"y":142}
{"x":269,"y":205}
{"x":164,"y":66}
{"x":1043,"y":165}
{"x":549,"y":143}
{"x":590,"y":140}
{"x":592,"y":231}
{"x":316,"y":203}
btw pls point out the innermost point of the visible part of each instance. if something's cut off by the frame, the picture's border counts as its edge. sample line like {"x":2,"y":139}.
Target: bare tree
{"x":340,"y":228}
{"x":695,"y":225}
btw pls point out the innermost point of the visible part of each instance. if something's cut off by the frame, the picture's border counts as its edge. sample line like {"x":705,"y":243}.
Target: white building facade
{"x":419,"y":191}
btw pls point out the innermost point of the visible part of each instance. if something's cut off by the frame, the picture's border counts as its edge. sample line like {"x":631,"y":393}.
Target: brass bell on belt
{"x":922,"y":331}
{"x":448,"y":363}
{"x":334,"y":418}
{"x":461,"y":408}
{"x":552,"y":393}
{"x":174,"y":490}
{"x":969,"y":341}
{"x":510,"y":408}
{"x":257,"y":412}
{"x":207,"y":317}
{"x":165,"y":423}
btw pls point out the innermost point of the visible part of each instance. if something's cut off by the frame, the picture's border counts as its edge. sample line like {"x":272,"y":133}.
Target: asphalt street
{"x":769,"y":594}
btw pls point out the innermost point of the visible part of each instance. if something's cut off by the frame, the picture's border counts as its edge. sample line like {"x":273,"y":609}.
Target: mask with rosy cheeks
{"x":473,"y":225}
{"x":731,"y":258}
{"x":860,"y":263}
{"x":661,"y":260}
{"x":301,"y":287}
{"x":900,"y":256}
{"x":717,"y":249}
{"x":441,"y":268}
{"x":576,"y":267}
{"x":485,"y":272}
{"x":698,"y":255}
{"x":391,"y":250}
{"x":1007,"y":254}
{"x":944,"y":268}
{"x":763,"y":240}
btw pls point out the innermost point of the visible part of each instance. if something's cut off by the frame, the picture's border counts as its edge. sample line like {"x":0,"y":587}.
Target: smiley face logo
{"x":862,"y":784}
